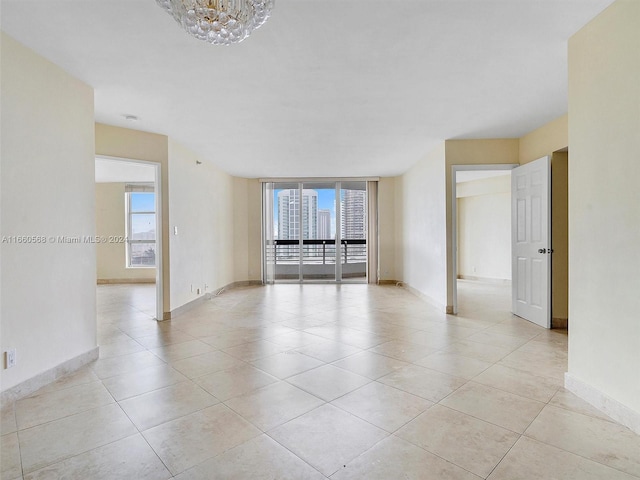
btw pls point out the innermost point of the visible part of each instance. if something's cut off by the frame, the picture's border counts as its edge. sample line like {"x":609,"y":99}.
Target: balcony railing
{"x":316,"y":252}
{"x":318,"y":259}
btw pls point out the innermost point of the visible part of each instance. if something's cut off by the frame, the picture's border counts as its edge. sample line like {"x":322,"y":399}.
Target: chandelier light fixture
{"x":220,"y":22}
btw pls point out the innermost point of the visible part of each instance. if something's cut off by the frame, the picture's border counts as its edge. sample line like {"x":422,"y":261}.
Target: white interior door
{"x":531,"y":241}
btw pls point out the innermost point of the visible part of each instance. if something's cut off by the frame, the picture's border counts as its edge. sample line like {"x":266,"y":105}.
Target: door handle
{"x":542,"y":250}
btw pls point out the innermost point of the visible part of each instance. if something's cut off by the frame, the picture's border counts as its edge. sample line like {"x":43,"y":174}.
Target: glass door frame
{"x":268,"y":240}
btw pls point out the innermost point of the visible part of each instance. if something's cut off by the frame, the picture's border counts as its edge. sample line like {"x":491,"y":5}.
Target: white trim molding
{"x":43,"y":379}
{"x":176,"y":312}
{"x":609,"y":406}
{"x":448,"y":309}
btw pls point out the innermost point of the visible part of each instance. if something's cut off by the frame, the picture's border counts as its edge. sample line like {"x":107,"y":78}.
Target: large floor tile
{"x":234,"y":338}
{"x":472,"y":444}
{"x":328,"y":382}
{"x":8,"y":419}
{"x":273,"y":405}
{"x":383,"y":406}
{"x":260,"y":458}
{"x":164,"y":337}
{"x":379,"y":327}
{"x":453,"y":364}
{"x":48,"y":406}
{"x":328,"y":350}
{"x":160,"y":406}
{"x":236,"y":381}
{"x":80,"y":377}
{"x":206,"y":363}
{"x":557,"y":337}
{"x":395,"y":458}
{"x":10,"y":466}
{"x":327,"y":437}
{"x":521,"y":383}
{"x":58,"y":440}
{"x":546,"y":351}
{"x":535,"y":364}
{"x":403,"y":350}
{"x":349,"y":336}
{"x":178,"y":351}
{"x":129,"y":458}
{"x":287,"y":364}
{"x":145,"y":380}
{"x":494,"y":406}
{"x":532,"y":460}
{"x":498,"y":339}
{"x":565,"y":399}
{"x":185,"y":442}
{"x":516,"y":327}
{"x":120,"y":346}
{"x":255,"y":350}
{"x":294,"y":339}
{"x":424,"y":382}
{"x":481,"y":351}
{"x":112,"y":366}
{"x":425,"y":356}
{"x":599,"y":440}
{"x":439,"y":334}
{"x":370,"y":364}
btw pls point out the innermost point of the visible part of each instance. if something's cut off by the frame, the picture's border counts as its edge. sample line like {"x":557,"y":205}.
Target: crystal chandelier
{"x":220,"y":22}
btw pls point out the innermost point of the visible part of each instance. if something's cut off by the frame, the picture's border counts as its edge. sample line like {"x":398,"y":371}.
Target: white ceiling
{"x":324,"y":88}
{"x":116,"y":171}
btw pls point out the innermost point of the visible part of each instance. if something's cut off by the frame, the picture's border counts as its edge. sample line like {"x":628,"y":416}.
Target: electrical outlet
{"x":10,"y":358}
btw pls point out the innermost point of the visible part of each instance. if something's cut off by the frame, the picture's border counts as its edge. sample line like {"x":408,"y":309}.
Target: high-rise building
{"x":324,"y":224}
{"x":354,"y":214}
{"x":288,"y":214}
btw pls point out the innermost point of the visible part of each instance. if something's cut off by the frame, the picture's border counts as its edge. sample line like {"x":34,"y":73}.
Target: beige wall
{"x":241,"y":228}
{"x":247,"y":222}
{"x":202,"y":253}
{"x":604,"y":200}
{"x":48,"y":294}
{"x":421,"y":252}
{"x":545,"y":140}
{"x":484,"y":228}
{"x":255,"y":230}
{"x":125,"y":143}
{"x":387,"y":229}
{"x":111,"y":221}
{"x":560,"y":235}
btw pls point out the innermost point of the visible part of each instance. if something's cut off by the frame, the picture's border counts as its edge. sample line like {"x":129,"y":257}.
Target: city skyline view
{"x":319,"y":213}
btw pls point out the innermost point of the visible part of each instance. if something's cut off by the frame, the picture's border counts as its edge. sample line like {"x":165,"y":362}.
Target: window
{"x":141,"y":226}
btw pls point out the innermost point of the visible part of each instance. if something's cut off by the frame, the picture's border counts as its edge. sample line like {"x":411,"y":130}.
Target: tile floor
{"x":312,"y":382}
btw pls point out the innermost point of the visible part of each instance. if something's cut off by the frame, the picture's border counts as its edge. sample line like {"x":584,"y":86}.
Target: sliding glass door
{"x":315,"y":231}
{"x":353,"y":228}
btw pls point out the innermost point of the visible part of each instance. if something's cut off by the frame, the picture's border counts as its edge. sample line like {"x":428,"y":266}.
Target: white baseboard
{"x":428,"y":299}
{"x":126,"y":281}
{"x":33,"y":384}
{"x":614,"y":409}
{"x":557,"y":322}
{"x":207,"y":296}
{"x":501,"y":281}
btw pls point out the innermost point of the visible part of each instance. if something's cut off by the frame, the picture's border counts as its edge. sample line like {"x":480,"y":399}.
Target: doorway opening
{"x":128,"y":237}
{"x":316,"y":231}
{"x":481,"y":229}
